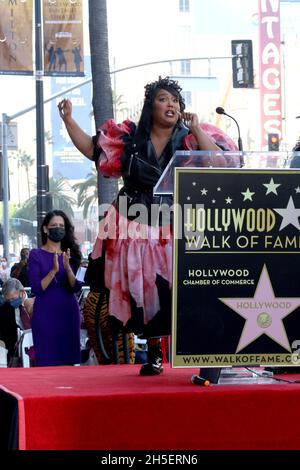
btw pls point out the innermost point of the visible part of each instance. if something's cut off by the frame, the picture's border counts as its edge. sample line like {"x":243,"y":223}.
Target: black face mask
{"x":56,"y":234}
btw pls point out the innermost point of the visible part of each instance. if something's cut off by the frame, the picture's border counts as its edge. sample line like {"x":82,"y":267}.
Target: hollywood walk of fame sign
{"x":236,"y":272}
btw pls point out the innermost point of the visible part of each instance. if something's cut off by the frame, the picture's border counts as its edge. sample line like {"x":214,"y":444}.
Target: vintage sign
{"x":16,"y":37}
{"x":270,"y":69}
{"x":236,"y":291}
{"x":12,"y":136}
{"x":63,"y":37}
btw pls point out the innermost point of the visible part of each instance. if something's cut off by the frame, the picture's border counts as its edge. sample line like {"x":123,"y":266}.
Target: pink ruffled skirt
{"x":135,"y":254}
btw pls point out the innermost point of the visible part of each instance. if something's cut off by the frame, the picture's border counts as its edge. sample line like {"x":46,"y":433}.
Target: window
{"x":185,"y":67}
{"x":187,"y":96}
{"x":184,"y":5}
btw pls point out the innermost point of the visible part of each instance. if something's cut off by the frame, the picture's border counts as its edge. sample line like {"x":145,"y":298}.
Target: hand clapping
{"x":66,"y":259}
{"x":55,"y":268}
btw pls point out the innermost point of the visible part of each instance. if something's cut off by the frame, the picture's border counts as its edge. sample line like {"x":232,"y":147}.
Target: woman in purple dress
{"x":56,"y":318}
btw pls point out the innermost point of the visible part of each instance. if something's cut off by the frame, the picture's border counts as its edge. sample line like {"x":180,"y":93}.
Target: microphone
{"x":197,"y":380}
{"x":221,"y":110}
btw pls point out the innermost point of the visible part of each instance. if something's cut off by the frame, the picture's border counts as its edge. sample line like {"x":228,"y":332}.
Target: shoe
{"x":151,"y":369}
{"x":211,"y":374}
{"x":154,"y":364}
{"x":197,"y":380}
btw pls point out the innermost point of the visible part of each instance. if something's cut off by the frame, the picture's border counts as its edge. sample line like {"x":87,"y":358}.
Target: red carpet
{"x":112,"y":407}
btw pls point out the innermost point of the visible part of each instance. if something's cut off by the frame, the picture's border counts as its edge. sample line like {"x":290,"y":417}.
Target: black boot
{"x":154,"y":364}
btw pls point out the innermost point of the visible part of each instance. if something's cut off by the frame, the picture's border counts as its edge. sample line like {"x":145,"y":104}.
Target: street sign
{"x":12,"y":136}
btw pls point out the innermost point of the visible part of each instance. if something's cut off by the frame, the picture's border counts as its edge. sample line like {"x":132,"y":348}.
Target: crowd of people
{"x":18,"y":270}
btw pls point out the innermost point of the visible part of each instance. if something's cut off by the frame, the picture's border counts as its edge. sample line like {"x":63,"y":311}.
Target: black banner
{"x":236,"y":290}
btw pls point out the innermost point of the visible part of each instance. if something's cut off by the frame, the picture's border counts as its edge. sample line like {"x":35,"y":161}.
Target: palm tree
{"x":119,"y":104}
{"x":87,"y":193}
{"x":15,"y":156}
{"x":27,"y":212}
{"x":60,"y":200}
{"x":102,"y":92}
{"x":26,"y":161}
{"x":48,"y":137}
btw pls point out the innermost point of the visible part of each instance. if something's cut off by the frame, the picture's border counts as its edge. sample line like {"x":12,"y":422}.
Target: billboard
{"x":16,"y":38}
{"x":270,"y":70}
{"x":67,"y":160}
{"x":63,"y":38}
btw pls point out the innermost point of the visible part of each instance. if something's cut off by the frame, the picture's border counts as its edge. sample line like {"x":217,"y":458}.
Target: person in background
{"x":20,"y":270}
{"x":295,"y":161}
{"x":14,"y":313}
{"x":4,"y":270}
{"x":51,"y":270}
{"x":138,"y":269}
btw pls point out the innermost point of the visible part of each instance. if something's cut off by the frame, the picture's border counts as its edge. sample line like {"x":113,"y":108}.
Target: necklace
{"x":59,"y":252}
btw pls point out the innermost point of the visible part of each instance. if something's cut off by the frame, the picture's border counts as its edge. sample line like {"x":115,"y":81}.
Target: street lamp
{"x":42,"y":177}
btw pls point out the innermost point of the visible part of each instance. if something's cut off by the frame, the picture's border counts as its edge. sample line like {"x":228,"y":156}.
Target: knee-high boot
{"x":154,"y":364}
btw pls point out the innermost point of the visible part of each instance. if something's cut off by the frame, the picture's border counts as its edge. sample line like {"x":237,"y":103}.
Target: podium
{"x":236,"y":259}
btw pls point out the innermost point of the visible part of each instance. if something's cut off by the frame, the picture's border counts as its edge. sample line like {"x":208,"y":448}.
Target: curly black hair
{"x":151,"y":90}
{"x":69,"y":240}
{"x":172,"y":86}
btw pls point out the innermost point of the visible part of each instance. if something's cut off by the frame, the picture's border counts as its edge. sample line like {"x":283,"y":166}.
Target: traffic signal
{"x":242,"y":64}
{"x":273,"y":142}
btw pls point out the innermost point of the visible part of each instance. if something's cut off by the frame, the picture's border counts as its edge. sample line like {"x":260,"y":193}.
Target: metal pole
{"x":42,"y":177}
{"x":5,"y":186}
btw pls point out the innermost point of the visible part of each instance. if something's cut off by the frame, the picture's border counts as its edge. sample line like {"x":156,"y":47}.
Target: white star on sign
{"x":271,"y":187}
{"x":263,"y":313}
{"x":228,"y":200}
{"x":297,"y":190}
{"x":247,"y":195}
{"x":204,"y":192}
{"x":290,"y":215}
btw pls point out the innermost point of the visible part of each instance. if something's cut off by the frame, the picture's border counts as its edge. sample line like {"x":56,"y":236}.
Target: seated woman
{"x":14,"y":314}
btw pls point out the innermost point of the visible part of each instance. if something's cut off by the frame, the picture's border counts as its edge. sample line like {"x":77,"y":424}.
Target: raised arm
{"x":82,"y":141}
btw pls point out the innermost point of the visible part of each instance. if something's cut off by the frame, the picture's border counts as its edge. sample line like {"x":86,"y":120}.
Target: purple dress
{"x":56,"y":319}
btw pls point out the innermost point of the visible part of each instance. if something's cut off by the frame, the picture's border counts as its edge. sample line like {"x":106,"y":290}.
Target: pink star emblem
{"x":263,"y":313}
